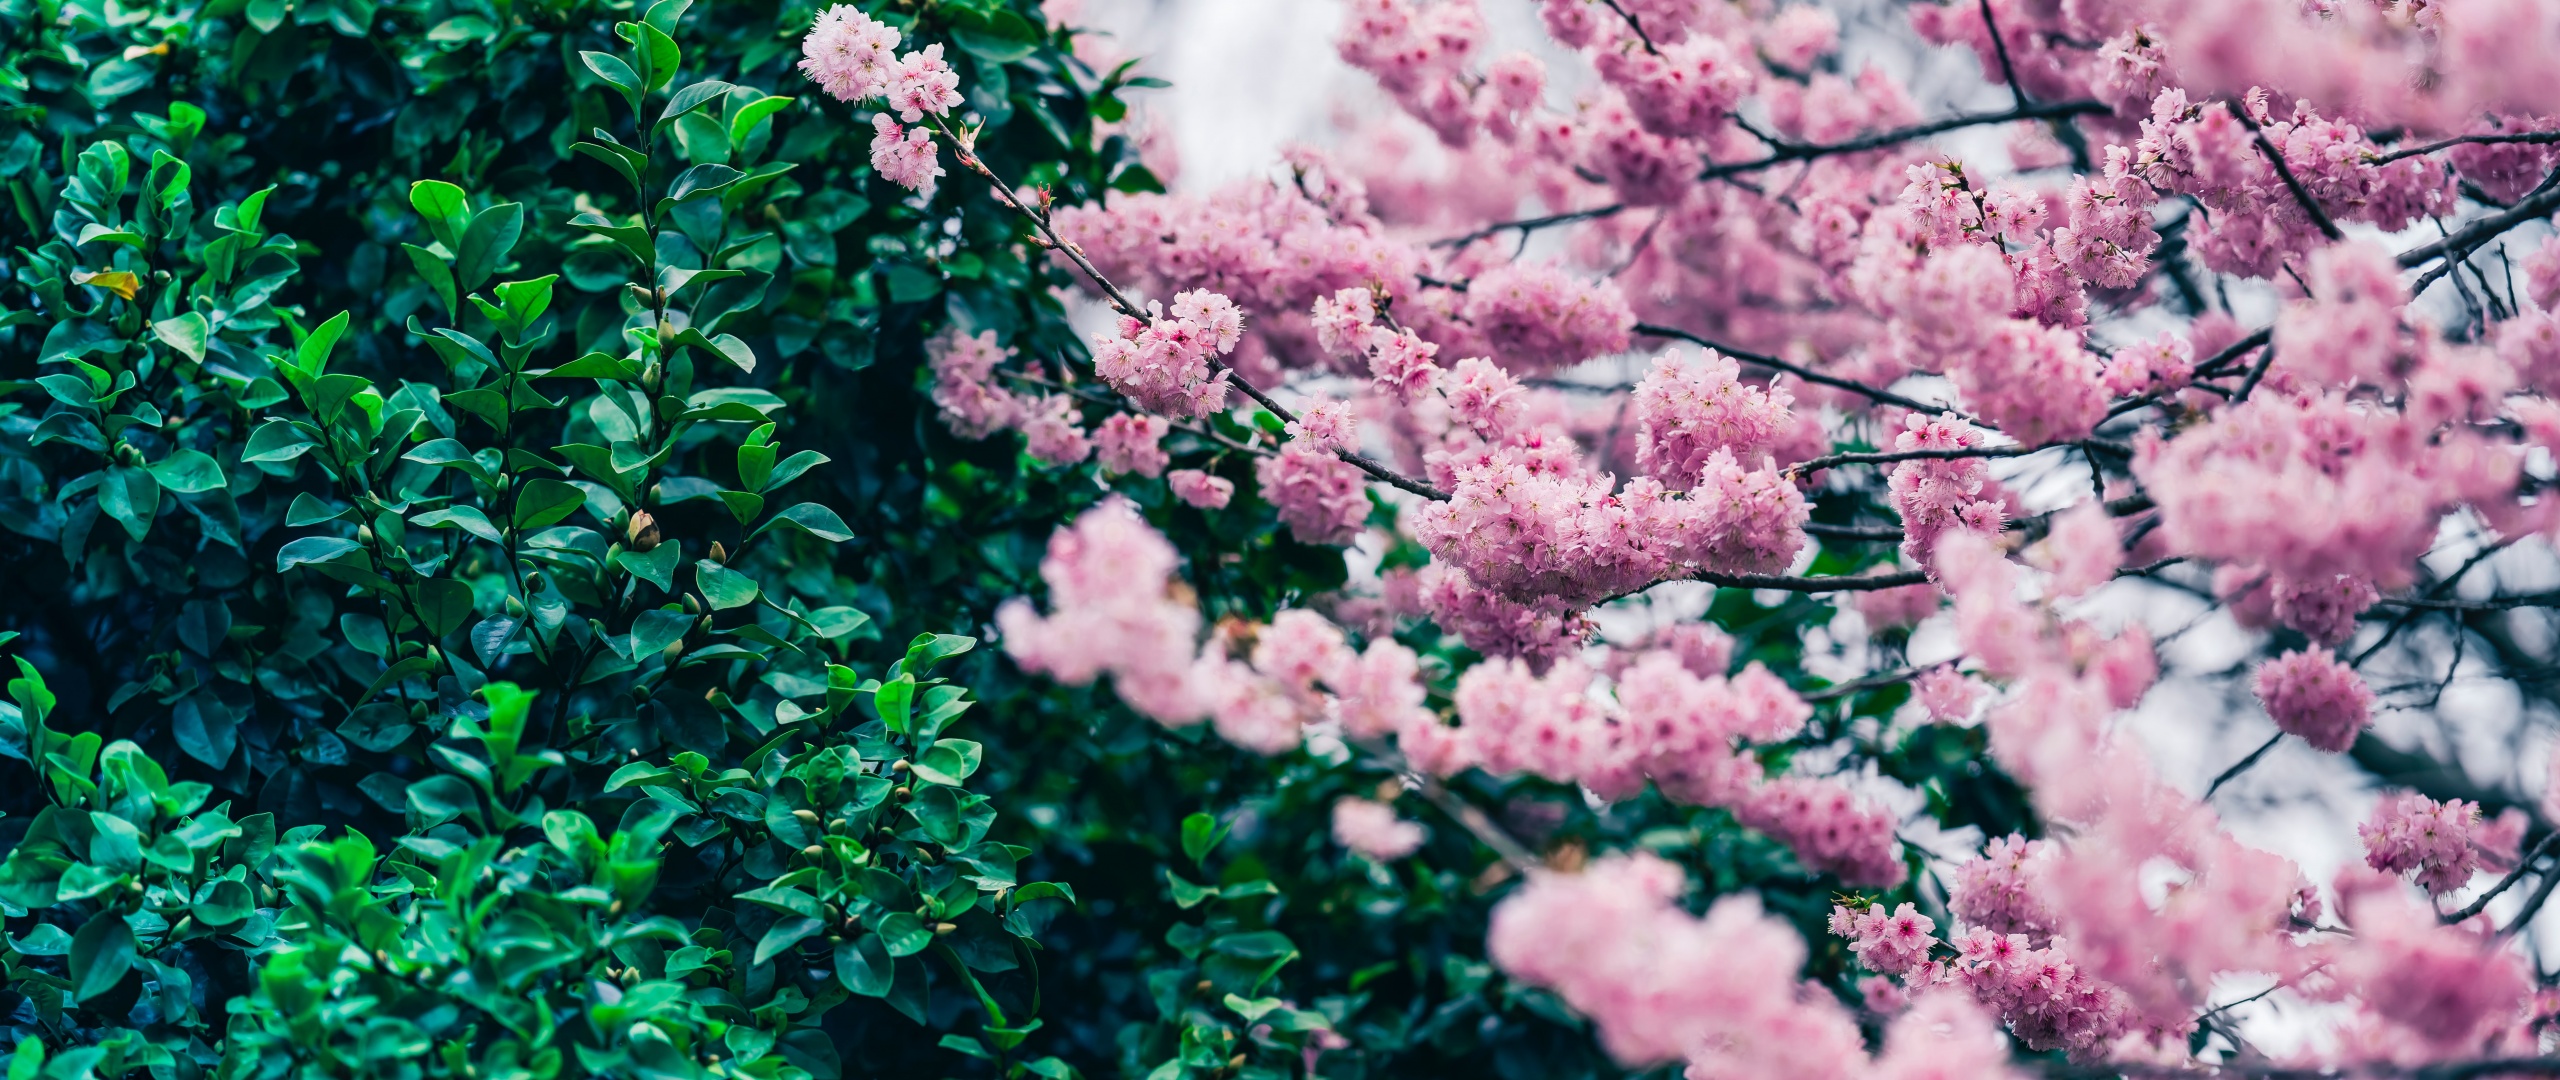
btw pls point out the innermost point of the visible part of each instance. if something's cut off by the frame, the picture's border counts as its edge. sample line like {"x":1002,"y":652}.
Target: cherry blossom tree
{"x":2262,"y":283}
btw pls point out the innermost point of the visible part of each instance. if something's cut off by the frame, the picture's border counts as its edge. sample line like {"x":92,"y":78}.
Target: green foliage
{"x":499,"y":936}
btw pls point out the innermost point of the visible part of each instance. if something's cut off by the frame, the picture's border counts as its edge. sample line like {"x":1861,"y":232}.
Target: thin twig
{"x":2544,"y":199}
{"x":1782,"y":152}
{"x":1529,"y":225}
{"x":2284,"y":172}
{"x":1807,"y":374}
{"x":2494,"y":603}
{"x":1878,"y":533}
{"x":2000,"y":46}
{"x":1814,"y":465}
{"x":2522,"y":865}
{"x":2257,"y":371}
{"x":2532,"y":905}
{"x":2458,"y":140}
{"x":1120,"y":301}
{"x":1632,"y":24}
{"x":2241,"y":766}
{"x":1862,"y":684}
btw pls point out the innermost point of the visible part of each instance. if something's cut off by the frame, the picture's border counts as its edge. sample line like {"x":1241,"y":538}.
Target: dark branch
{"x":2284,"y":172}
{"x":1530,"y":225}
{"x":2242,"y":765}
{"x":1807,"y":374}
{"x":1826,"y":461}
{"x":2458,"y":140}
{"x":2522,"y":866}
{"x":1782,"y":152}
{"x":1878,"y":533}
{"x":2544,"y":199}
{"x":1050,"y":239}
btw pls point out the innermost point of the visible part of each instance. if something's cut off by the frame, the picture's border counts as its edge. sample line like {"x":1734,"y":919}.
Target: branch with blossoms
{"x":2295,"y":478}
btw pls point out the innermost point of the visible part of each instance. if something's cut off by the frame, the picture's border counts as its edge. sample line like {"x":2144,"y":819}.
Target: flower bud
{"x":642,"y":532}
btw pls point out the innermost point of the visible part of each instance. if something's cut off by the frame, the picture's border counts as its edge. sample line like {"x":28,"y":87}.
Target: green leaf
{"x":485,"y":244}
{"x":864,"y":966}
{"x":595,"y":365}
{"x":632,"y":239}
{"x":1200,"y":835}
{"x":662,"y":55}
{"x":224,"y":903}
{"x":397,"y":674}
{"x":380,"y":727}
{"x":1257,"y":945}
{"x":687,"y":100}
{"x":999,"y":36}
{"x":895,"y":700}
{"x":791,"y":468}
{"x":205,"y":728}
{"x":276,"y":440}
{"x":811,"y":518}
{"x":312,"y":356}
{"x":186,"y":333}
{"x":656,"y":629}
{"x":189,"y":472}
{"x":467,"y":518}
{"x":613,"y":70}
{"x":101,"y":953}
{"x":785,"y":934}
{"x":444,"y":605}
{"x":544,"y":501}
{"x":313,"y":549}
{"x":707,"y":176}
{"x":948,"y":761}
{"x":748,"y":116}
{"x":657,"y":566}
{"x":727,"y":347}
{"x":722,"y":587}
{"x":1187,"y":895}
{"x":446,"y":208}
{"x":631,"y":163}
{"x":903,"y":934}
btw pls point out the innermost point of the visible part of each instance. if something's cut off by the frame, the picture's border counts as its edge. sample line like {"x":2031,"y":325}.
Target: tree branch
{"x":1039,"y":219}
{"x":1807,"y":374}
{"x":2284,"y":172}
{"x":2458,"y":140}
{"x":1883,"y":457}
{"x":2241,"y":766}
{"x":1529,"y":225}
{"x":2522,"y":866}
{"x":2540,"y":203}
{"x":1782,"y":152}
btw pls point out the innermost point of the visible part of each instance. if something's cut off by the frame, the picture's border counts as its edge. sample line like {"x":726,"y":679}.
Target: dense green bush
{"x":479,"y":552}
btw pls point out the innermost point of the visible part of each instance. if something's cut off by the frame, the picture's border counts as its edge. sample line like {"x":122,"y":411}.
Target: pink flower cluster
{"x":1662,"y":985}
{"x":1935,"y":496}
{"x":1167,"y":364}
{"x":1993,"y":892}
{"x":1829,"y":828}
{"x":2315,"y":696}
{"x":1525,"y":522}
{"x":2047,"y":1001}
{"x":2315,"y":486}
{"x":853,"y":57}
{"x":964,"y":386}
{"x":2440,"y":844}
{"x":1320,"y":497}
{"x":1688,"y":410}
{"x":1373,"y":830}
